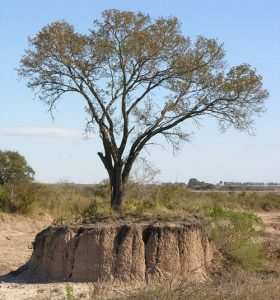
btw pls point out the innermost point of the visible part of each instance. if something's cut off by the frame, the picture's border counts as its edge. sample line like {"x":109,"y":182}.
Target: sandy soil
{"x":16,"y":236}
{"x":272,"y":222}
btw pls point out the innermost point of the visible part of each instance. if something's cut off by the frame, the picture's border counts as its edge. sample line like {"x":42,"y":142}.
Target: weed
{"x":138,"y":207}
{"x":69,"y":292}
{"x":90,"y":213}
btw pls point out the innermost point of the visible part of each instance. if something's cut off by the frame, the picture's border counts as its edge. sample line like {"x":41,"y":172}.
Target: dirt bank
{"x":136,"y":253}
{"x":17,"y":233}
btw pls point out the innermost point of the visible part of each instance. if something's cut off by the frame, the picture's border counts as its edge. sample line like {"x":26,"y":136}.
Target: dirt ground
{"x":16,"y":236}
{"x":272,"y":222}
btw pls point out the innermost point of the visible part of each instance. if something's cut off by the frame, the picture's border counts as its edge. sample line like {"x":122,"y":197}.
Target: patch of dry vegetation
{"x":231,"y":286}
{"x":66,"y":200}
{"x":249,"y":266}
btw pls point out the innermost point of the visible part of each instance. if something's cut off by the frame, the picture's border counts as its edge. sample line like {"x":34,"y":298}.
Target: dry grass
{"x":232,"y":280}
{"x":249,"y":271}
{"x":232,"y":286}
{"x":68,"y":200}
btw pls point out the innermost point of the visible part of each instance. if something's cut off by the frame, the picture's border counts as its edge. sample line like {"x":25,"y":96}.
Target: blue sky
{"x":57,"y":150}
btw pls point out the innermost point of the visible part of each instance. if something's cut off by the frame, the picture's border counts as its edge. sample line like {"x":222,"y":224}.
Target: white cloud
{"x":53,"y":132}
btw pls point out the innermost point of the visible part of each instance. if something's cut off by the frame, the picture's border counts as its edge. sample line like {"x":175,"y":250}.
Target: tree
{"x":14,"y":168}
{"x":140,"y":78}
{"x":193,"y":182}
{"x":196,"y":184}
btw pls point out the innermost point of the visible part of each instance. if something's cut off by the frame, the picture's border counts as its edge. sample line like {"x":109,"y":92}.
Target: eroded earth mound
{"x":135,"y":253}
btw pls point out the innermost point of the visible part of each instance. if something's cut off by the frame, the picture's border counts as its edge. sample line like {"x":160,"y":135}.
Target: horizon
{"x":249,"y":183}
{"x":57,"y":149}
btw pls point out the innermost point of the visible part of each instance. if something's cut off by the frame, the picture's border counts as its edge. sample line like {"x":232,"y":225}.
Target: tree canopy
{"x":140,"y":78}
{"x":14,"y":168}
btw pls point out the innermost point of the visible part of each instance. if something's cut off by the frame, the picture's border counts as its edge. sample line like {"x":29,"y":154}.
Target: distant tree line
{"x":250,"y":184}
{"x":200,"y":185}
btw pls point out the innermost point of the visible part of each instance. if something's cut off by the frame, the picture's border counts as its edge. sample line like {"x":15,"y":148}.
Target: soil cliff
{"x":135,"y":253}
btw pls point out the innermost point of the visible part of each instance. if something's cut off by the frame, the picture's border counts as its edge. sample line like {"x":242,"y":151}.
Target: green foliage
{"x":90,"y":213}
{"x":233,"y":232}
{"x":14,"y":168}
{"x":138,"y":207}
{"x":69,"y":292}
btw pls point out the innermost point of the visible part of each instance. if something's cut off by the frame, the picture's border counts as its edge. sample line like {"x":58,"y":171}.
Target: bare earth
{"x":16,"y":236}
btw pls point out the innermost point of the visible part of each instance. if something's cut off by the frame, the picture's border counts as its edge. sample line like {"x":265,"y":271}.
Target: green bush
{"x":137,"y":207}
{"x":234,"y":233}
{"x":90,"y":213}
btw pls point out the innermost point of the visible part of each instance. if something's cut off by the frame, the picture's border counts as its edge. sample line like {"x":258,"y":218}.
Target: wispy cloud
{"x":53,"y":132}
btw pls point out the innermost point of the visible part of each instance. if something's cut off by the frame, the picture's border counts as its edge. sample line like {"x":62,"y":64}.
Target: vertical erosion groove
{"x":128,"y":253}
{"x":180,"y":235}
{"x":75,"y":242}
{"x":133,"y":253}
{"x":120,"y":237}
{"x":146,"y":233}
{"x":158,"y":244}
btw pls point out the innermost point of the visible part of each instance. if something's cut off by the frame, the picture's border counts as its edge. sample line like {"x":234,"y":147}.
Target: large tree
{"x":14,"y":168}
{"x":140,"y":78}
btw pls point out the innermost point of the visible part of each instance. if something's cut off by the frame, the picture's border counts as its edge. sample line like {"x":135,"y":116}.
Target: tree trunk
{"x":117,"y":197}
{"x":118,"y":175}
{"x":117,"y":189}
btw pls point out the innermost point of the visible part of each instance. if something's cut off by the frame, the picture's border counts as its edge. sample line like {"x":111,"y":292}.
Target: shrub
{"x":233,"y":232}
{"x":168,"y":195}
{"x":138,"y":207}
{"x":90,"y":213}
{"x":25,"y":194}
